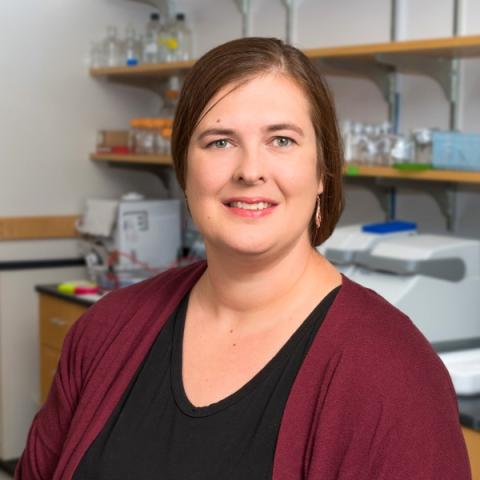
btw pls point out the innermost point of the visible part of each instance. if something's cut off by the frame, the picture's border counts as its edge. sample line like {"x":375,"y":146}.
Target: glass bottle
{"x":167,"y":40}
{"x":183,"y":36}
{"x":112,"y":48}
{"x":132,"y":47}
{"x":151,"y":47}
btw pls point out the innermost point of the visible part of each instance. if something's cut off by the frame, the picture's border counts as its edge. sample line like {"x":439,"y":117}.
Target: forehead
{"x":265,"y":96}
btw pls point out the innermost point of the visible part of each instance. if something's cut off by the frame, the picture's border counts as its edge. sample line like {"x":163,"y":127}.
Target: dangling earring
{"x":318,"y":214}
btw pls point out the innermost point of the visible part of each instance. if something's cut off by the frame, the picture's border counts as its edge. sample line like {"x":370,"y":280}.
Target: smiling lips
{"x":250,"y":207}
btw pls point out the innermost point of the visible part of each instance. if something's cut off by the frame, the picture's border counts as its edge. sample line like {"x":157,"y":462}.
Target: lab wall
{"x":322,"y":23}
{"x":51,"y":109}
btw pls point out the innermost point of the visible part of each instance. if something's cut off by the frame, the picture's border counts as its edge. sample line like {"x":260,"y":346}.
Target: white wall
{"x":324,"y":23}
{"x":51,"y":108}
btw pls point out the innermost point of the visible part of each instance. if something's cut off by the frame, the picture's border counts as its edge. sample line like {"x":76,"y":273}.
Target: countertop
{"x":85,"y":300}
{"x":469,"y":407}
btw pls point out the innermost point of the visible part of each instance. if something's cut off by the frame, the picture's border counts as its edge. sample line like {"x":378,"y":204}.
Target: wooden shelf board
{"x":449,"y":47}
{"x":40,"y":227}
{"x":133,"y":159}
{"x":147,"y":70}
{"x":456,"y":176}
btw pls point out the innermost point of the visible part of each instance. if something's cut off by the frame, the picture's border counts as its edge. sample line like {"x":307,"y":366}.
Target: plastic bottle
{"x":183,"y":36}
{"x":151,"y":47}
{"x":132,"y":47}
{"x":112,"y":48}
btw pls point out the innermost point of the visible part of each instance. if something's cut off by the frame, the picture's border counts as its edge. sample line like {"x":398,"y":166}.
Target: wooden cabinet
{"x":56,"y":318}
{"x":472,"y":439}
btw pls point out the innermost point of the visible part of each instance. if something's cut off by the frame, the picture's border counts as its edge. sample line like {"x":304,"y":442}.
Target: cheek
{"x":299,"y":176}
{"x":204,"y":177}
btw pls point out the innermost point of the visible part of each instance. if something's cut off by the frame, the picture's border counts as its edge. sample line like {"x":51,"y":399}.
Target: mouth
{"x":256,"y":207}
{"x":250,"y":205}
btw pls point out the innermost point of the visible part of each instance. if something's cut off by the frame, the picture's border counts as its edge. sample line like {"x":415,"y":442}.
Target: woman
{"x":263,"y":362}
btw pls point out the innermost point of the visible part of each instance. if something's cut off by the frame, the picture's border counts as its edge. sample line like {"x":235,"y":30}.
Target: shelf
{"x":453,"y":176}
{"x":368,"y":54}
{"x":131,"y":159}
{"x":147,"y":71}
{"x":449,"y":47}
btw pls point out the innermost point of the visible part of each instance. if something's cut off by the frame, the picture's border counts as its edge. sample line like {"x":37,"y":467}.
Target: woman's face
{"x":252,"y":175}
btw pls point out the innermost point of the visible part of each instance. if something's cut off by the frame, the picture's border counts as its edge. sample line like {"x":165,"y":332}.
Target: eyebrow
{"x":216,"y":131}
{"x":271,"y":128}
{"x":285,"y":126}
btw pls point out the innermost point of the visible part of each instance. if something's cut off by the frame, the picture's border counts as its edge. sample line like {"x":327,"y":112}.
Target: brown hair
{"x":246,"y":58}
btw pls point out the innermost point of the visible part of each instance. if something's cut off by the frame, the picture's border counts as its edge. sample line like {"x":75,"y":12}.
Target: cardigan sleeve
{"x":390,"y":414}
{"x":51,"y":424}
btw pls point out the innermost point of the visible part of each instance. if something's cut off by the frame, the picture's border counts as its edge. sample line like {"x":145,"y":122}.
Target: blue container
{"x":392,"y":226}
{"x":456,"y":151}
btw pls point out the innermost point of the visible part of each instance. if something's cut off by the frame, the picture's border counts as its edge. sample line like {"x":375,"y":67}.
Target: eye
{"x":220,"y":143}
{"x":282,"y":142}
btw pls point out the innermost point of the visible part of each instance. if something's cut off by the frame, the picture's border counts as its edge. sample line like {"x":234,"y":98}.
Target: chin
{"x":247,"y":247}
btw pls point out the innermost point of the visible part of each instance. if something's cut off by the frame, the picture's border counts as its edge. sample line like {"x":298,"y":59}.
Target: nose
{"x":250,"y":168}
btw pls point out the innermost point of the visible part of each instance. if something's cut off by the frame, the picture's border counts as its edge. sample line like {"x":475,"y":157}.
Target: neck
{"x":241,"y":288}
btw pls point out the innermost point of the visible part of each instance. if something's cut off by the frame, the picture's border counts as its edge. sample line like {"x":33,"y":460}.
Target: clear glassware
{"x":348,"y":138}
{"x":113,"y":48}
{"x":167,"y":39}
{"x":385,"y":143}
{"x":132,"y":48}
{"x":183,"y":36}
{"x":151,"y":47}
{"x":403,"y":150}
{"x":148,"y":137}
{"x":423,"y":145}
{"x":97,"y":55}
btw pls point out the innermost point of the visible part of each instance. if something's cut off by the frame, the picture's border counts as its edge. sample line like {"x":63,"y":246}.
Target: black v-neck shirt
{"x":156,"y":433}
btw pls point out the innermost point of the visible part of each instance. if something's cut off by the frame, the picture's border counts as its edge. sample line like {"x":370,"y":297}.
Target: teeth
{"x":251,"y":206}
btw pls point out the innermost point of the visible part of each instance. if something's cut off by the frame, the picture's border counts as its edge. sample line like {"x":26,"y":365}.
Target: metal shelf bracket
{"x":443,"y":193}
{"x":245,"y":7}
{"x":381,"y":75}
{"x":446,"y":199}
{"x":292,"y":10}
{"x":443,"y":70}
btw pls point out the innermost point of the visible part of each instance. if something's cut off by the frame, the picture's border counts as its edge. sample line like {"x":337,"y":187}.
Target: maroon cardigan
{"x":371,"y":400}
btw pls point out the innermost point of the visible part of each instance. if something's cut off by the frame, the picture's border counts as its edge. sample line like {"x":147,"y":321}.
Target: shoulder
{"x":129,"y":306}
{"x":387,"y":396}
{"x":381,"y":347}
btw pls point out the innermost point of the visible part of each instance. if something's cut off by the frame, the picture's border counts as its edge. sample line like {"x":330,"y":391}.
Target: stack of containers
{"x":163,"y":41}
{"x":152,"y":136}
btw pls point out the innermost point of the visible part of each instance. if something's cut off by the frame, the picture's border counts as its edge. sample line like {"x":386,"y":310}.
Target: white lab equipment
{"x":138,"y":234}
{"x":464,"y":369}
{"x":351,"y":240}
{"x":434,"y":279}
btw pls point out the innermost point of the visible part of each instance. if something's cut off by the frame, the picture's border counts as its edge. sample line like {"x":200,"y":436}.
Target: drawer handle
{"x":58,"y":322}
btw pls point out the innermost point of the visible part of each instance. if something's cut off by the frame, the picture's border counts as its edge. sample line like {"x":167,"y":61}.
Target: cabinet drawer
{"x":472,"y":439}
{"x":49,"y":358}
{"x":56,"y":318}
